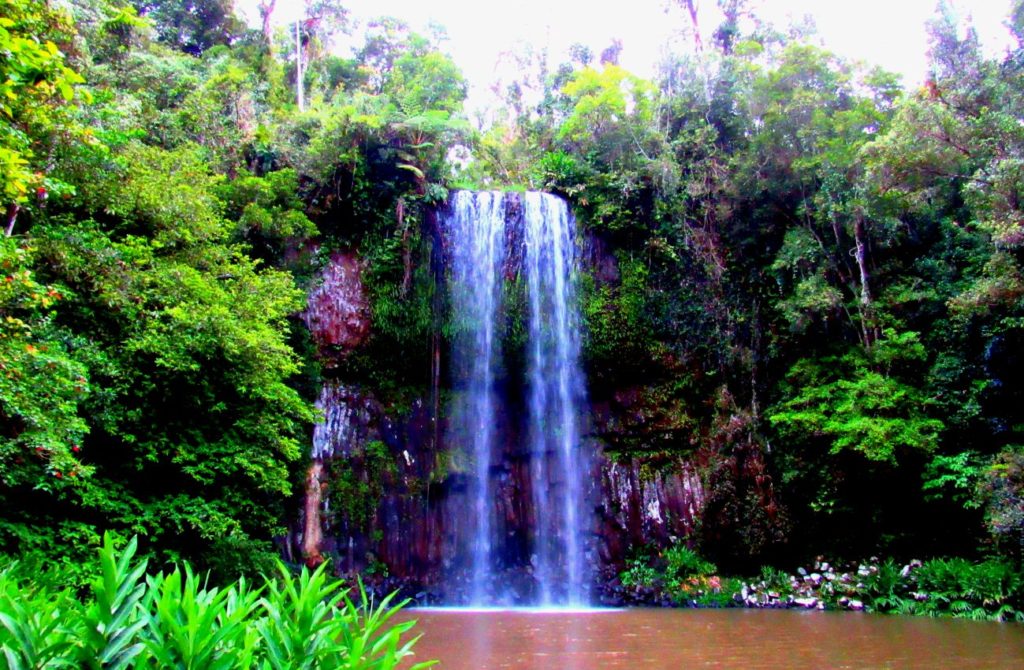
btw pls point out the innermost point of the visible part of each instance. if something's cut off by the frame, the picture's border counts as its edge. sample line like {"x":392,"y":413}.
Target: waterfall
{"x":481,"y":228}
{"x":476,"y":228}
{"x":555,"y":397}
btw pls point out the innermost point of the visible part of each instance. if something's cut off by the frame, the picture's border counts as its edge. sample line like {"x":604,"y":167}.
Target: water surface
{"x":745,"y":639}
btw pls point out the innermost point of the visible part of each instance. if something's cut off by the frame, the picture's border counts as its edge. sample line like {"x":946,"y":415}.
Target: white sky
{"x":889,"y":33}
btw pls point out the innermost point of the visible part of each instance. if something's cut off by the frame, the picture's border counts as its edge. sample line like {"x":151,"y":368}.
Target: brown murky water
{"x":687,"y":639}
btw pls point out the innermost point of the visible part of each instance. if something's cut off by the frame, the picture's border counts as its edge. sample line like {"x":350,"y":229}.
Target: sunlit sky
{"x":889,"y":33}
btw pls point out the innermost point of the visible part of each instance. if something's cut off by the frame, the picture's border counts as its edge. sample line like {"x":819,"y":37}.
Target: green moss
{"x":619,"y":334}
{"x":442,"y":467}
{"x":357,"y":484}
{"x":401,"y":310}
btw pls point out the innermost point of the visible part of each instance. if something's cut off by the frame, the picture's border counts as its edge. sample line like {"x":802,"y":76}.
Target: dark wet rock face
{"x":644,"y":506}
{"x":338,"y":312}
{"x":383,"y":498}
{"x":599,"y":260}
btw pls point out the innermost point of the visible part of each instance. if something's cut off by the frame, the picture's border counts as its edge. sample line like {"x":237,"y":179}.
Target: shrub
{"x":708,"y":590}
{"x":681,"y":562}
{"x":884,"y":586}
{"x":638,"y":573}
{"x":33,"y":631}
{"x":773,"y":579}
{"x":986,"y":590}
{"x":679,"y":573}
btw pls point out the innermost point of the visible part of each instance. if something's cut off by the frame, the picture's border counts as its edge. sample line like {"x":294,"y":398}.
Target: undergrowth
{"x":989,"y":590}
{"x":132,"y":619}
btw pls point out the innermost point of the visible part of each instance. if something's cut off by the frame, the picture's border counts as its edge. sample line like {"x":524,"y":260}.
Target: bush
{"x":884,"y":587}
{"x":776,"y":580}
{"x":682,"y":562}
{"x":992,"y":589}
{"x":707,"y":591}
{"x":638,"y":573}
{"x":681,"y":575}
{"x":955,"y":586}
{"x":176,"y":620}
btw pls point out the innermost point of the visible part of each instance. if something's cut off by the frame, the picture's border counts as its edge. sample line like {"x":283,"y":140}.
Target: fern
{"x":1006,"y":612}
{"x":959,"y":606}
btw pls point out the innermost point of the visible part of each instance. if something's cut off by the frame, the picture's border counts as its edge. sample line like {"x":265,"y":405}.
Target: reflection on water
{"x":747,"y":639}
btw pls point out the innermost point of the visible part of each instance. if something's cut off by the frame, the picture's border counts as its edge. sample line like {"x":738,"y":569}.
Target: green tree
{"x":858,"y":402}
{"x":41,"y":385}
{"x":193,"y":26}
{"x":36,"y":85}
{"x":195,"y":427}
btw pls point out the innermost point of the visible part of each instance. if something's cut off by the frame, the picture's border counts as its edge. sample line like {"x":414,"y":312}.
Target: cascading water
{"x":555,"y":396}
{"x":476,"y":230}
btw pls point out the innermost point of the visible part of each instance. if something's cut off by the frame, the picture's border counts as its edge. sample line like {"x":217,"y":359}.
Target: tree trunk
{"x":312,"y":533}
{"x":299,"y":84}
{"x":266,"y":10}
{"x":691,"y":7}
{"x":869,"y":328}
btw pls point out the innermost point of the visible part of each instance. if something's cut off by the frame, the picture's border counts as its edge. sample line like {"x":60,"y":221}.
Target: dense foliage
{"x":817,"y":280}
{"x":161,"y":191}
{"x":810,"y":278}
{"x":175,"y":620}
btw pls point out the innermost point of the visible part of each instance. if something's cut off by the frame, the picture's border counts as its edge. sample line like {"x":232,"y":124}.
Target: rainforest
{"x":262,"y":302}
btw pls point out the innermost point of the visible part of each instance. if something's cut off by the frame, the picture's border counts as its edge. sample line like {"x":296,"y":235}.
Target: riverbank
{"x":987,"y":590}
{"x":677,"y":578}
